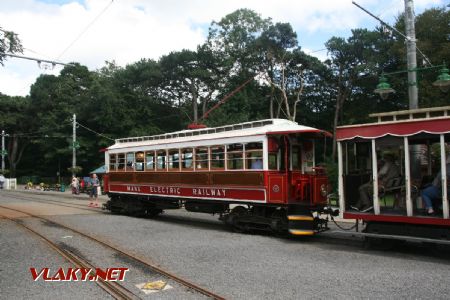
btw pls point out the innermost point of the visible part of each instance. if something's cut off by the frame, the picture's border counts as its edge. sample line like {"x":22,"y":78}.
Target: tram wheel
{"x":235,"y":214}
{"x":279,"y":222}
{"x":153,"y":212}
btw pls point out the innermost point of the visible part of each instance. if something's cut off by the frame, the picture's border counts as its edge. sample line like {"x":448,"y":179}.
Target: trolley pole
{"x":74,"y":141}
{"x":3,"y":152}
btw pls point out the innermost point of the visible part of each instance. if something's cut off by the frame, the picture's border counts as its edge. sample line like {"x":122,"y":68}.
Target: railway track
{"x":53,"y":202}
{"x":116,"y":292}
{"x":114,"y":289}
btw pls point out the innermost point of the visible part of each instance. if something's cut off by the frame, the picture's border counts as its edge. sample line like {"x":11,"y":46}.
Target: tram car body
{"x":256,"y":175}
{"x":417,"y":140}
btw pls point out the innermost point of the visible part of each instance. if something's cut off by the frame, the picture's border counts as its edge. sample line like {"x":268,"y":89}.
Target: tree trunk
{"x":342,"y":96}
{"x":14,"y":154}
{"x":194,"y":102}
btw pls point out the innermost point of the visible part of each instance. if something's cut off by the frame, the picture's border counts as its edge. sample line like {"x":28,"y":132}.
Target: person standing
{"x":75,"y":185}
{"x":95,"y":183}
{"x":2,"y":181}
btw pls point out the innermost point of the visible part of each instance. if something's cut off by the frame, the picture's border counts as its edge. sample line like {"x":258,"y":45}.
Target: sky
{"x":94,"y":31}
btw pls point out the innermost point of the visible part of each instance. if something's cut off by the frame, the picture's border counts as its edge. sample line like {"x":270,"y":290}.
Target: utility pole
{"x":413,"y":90}
{"x":74,"y":142}
{"x":3,"y":152}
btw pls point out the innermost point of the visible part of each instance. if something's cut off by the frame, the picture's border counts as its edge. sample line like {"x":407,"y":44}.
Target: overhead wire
{"x":97,"y":133}
{"x":85,"y":29}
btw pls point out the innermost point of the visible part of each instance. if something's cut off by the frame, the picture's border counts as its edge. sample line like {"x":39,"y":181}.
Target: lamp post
{"x":413,"y":90}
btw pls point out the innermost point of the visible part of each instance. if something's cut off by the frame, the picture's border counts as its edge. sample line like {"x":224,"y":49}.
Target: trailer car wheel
{"x":153,"y":212}
{"x":235,"y":214}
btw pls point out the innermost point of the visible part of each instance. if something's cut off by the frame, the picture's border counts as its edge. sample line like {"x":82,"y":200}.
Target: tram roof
{"x":399,"y":128}
{"x":262,"y":127}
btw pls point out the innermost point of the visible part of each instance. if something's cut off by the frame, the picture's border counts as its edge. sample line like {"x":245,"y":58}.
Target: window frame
{"x":153,"y":160}
{"x":113,"y":166}
{"x":183,"y":159}
{"x":211,"y":160}
{"x":233,"y":152}
{"x":171,"y":160}
{"x":203,"y":160}
{"x":247,"y":159}
{"x":165,"y":163}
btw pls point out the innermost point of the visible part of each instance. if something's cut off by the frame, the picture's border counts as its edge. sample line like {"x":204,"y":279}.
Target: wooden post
{"x":376,"y":200}
{"x":340,"y":181}
{"x":444,"y":179}
{"x":409,"y":206}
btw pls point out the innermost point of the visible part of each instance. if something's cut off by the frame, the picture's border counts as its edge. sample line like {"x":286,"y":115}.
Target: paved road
{"x":241,"y":266}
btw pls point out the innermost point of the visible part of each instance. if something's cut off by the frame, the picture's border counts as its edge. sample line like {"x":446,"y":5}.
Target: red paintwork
{"x":196,"y":126}
{"x":400,"y":128}
{"x":276,"y":187}
{"x":106,"y":183}
{"x":397,"y":219}
{"x":197,"y":192}
{"x":272,"y":144}
{"x":307,"y":188}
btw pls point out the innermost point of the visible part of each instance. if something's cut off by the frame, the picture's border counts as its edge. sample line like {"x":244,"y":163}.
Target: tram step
{"x":301,"y":224}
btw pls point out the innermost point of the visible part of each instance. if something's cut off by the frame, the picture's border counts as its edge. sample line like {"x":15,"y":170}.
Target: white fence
{"x":10,"y":184}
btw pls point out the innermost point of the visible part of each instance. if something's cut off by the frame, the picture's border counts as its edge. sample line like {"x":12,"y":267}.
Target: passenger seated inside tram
{"x":388,"y":171}
{"x":257,"y":164}
{"x":129,"y":166}
{"x":433,"y":192}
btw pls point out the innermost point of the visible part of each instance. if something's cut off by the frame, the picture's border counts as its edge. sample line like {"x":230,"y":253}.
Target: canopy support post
{"x":409,"y":206}
{"x":340,"y":181}
{"x":444,"y":178}
{"x":376,"y":200}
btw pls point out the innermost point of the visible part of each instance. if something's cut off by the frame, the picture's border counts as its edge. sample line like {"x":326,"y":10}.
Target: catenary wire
{"x":85,"y":29}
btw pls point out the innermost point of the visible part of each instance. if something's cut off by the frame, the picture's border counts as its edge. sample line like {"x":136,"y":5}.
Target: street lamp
{"x":443,"y":81}
{"x":384,"y":88}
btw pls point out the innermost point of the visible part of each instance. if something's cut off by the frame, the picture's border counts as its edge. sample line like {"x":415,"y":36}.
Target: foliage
{"x":154,"y":96}
{"x":9,"y":43}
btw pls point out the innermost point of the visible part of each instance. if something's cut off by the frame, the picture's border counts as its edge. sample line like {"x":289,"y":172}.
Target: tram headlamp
{"x":323,"y":190}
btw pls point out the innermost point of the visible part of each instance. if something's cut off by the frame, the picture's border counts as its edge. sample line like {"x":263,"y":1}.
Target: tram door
{"x":278,"y":166}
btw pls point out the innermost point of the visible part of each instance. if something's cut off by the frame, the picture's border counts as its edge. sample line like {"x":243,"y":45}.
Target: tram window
{"x":120,"y":162}
{"x":273,"y":161}
{"x":174,"y":160}
{"x":218,"y":157}
{"x":161,"y":160}
{"x":130,"y":161}
{"x":254,"y":156}
{"x":235,"y":157}
{"x":139,"y":161}
{"x":296,"y":162}
{"x":187,"y":159}
{"x":201,"y":158}
{"x":150,"y":160}
{"x":112,"y":162}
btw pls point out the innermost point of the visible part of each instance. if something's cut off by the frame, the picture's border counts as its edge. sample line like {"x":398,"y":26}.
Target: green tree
{"x":16,"y":122}
{"x":9,"y":43}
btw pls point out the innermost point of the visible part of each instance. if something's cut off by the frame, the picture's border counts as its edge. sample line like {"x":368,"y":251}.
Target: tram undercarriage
{"x":293,"y":219}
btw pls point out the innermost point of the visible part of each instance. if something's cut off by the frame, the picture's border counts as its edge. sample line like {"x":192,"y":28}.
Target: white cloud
{"x":133,"y":29}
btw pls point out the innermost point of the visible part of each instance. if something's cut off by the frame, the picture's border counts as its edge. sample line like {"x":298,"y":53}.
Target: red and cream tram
{"x":256,"y":175}
{"x":417,"y":140}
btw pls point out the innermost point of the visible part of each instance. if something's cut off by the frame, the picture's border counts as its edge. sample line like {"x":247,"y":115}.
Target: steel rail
{"x":58,"y":203}
{"x":112,"y":288}
{"x":157,"y":269}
